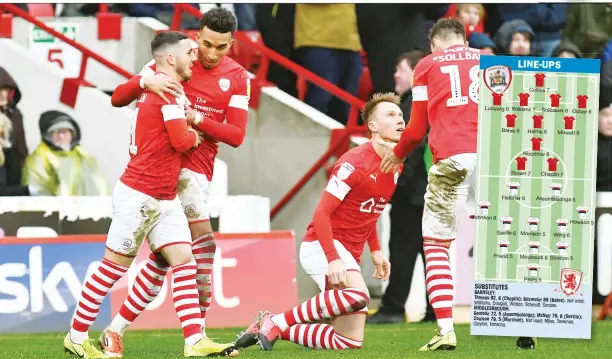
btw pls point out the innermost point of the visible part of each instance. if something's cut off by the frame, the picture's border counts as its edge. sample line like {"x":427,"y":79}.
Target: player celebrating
{"x":344,"y":220}
{"x":440,"y":80}
{"x":218,"y":91}
{"x":445,"y":94}
{"x":145,"y":204}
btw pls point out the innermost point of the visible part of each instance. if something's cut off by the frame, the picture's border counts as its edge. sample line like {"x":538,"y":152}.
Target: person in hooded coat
{"x":60,"y":166}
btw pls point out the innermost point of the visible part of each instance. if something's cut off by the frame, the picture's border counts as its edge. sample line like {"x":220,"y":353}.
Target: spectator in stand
{"x":607,"y":53}
{"x":59,"y":166}
{"x":471,"y":16}
{"x":245,"y":16}
{"x":327,"y":42}
{"x":9,"y":98}
{"x":589,"y":26}
{"x":546,"y":21}
{"x":276,"y":23}
{"x":514,"y":38}
{"x":406,"y":241}
{"x":567,"y":50}
{"x":387,"y":31}
{"x":10,"y":167}
{"x":481,"y":41}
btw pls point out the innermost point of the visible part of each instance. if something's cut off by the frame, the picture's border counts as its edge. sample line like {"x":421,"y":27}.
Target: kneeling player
{"x":344,"y":220}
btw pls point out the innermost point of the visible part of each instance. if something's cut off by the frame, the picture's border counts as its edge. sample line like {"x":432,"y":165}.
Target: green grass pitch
{"x":389,"y":342}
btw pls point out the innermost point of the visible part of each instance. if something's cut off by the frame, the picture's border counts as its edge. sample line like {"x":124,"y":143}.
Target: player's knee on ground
{"x":359,"y":298}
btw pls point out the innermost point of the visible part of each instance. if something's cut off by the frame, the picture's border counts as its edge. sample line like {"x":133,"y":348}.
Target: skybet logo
{"x":32,"y":286}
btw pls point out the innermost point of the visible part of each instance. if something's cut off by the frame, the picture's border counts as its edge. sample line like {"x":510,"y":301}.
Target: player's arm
{"x":333,"y":195}
{"x":416,"y":129}
{"x":373,"y":241}
{"x":175,"y":120}
{"x":159,"y":84}
{"x":233,"y":131}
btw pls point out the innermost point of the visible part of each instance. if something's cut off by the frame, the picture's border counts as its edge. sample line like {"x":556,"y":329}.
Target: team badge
{"x":126,"y":243}
{"x":570,"y":281}
{"x":224,"y":84}
{"x":190,"y":211}
{"x":497,"y":78}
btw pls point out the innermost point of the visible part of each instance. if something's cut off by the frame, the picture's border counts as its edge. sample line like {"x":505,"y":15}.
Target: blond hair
{"x":376,"y":99}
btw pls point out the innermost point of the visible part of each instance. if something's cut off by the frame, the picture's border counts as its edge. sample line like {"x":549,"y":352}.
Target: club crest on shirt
{"x":345,"y":170}
{"x":224,"y":84}
{"x":497,"y":78}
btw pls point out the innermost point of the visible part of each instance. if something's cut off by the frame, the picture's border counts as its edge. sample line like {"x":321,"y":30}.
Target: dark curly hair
{"x":219,"y":20}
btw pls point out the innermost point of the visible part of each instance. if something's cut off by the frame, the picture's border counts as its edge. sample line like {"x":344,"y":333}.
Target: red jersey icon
{"x":554,"y":100}
{"x":569,"y":122}
{"x":510,"y":120}
{"x":524,"y":99}
{"x":582,"y":100}
{"x":536,"y":143}
{"x":537,"y":121}
{"x":520,"y":163}
{"x":497,"y":98}
{"x":552,"y":164}
{"x":539,"y":79}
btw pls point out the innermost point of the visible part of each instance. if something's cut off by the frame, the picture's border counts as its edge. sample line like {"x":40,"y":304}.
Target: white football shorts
{"x":137,"y":216}
{"x":194,"y":195}
{"x":314,"y":263}
{"x":450,"y":184}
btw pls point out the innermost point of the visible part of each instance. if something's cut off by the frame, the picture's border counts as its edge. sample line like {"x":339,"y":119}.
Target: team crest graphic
{"x":562,"y":223}
{"x":497,"y":78}
{"x":503,"y":246}
{"x":533,"y":247}
{"x":533,"y":270}
{"x":224,"y":84}
{"x":556,"y":188}
{"x":190,"y":211}
{"x":126,"y":243}
{"x":582,"y":212}
{"x":533,"y":223}
{"x":570,"y":281}
{"x":484,"y":207}
{"x":513,"y":186}
{"x":507,"y":222}
{"x":562,"y":247}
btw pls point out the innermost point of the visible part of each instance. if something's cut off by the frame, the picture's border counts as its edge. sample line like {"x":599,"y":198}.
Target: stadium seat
{"x":247,"y":56}
{"x":365,"y":85}
{"x":41,"y":10}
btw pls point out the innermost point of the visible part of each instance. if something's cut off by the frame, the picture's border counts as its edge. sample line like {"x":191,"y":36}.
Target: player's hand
{"x":390,"y":163}
{"x":382,"y":267}
{"x":336,"y":274}
{"x":162,"y":84}
{"x":199,"y":136}
{"x":191,"y":115}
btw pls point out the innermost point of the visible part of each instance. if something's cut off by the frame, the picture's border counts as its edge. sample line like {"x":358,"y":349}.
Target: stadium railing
{"x":340,"y":138}
{"x":87,"y":53}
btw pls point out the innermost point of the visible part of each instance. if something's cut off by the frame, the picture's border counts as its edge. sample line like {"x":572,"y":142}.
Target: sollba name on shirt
{"x":460,"y":56}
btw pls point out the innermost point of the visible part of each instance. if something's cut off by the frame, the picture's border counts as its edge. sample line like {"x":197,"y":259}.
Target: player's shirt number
{"x":457,"y":98}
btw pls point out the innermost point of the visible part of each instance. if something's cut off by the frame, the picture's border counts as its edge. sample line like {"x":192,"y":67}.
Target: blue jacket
{"x":607,"y":53}
{"x":546,"y":20}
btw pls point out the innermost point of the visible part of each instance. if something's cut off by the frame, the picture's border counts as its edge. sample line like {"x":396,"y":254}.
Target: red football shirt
{"x":520,"y":163}
{"x":497,"y":97}
{"x":554,"y":100}
{"x":510,"y":120}
{"x":569,"y":122}
{"x":536,"y":143}
{"x":524,"y":99}
{"x":211,"y":92}
{"x":364,"y":190}
{"x":155,"y":164}
{"x":539,"y":79}
{"x":448,"y":81}
{"x":582,"y":101}
{"x":537,"y":121}
{"x":552,"y":164}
